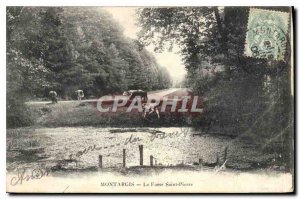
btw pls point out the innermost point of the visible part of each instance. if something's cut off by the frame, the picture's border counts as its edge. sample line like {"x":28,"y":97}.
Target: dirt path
{"x":165,"y":92}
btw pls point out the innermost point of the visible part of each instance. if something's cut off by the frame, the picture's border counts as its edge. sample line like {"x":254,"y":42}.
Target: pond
{"x":30,"y":147}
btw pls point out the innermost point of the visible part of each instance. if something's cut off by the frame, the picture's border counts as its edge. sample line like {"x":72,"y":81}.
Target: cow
{"x":53,"y":96}
{"x":150,"y":107}
{"x":80,"y":94}
{"x":134,"y":93}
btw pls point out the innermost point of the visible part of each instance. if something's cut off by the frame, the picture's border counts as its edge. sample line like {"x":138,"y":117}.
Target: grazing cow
{"x":80,"y":94}
{"x":53,"y":96}
{"x":133,"y":93}
{"x":150,"y":108}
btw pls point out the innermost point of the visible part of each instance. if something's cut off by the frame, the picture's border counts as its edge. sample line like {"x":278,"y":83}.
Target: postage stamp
{"x":267,"y":34}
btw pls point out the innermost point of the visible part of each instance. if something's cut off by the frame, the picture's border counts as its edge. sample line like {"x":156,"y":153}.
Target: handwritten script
{"x":134,"y":139}
{"x":27,"y":174}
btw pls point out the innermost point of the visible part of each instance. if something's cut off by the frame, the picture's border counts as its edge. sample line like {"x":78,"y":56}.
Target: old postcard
{"x":149,"y":100}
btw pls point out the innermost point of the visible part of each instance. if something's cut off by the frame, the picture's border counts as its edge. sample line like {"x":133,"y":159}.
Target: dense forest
{"x":243,"y":95}
{"x":70,"y":48}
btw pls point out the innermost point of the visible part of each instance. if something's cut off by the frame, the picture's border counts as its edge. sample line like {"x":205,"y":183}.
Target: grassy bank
{"x":76,"y":113}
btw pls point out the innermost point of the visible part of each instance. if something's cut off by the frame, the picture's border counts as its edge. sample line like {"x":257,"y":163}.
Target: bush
{"x":18,"y":114}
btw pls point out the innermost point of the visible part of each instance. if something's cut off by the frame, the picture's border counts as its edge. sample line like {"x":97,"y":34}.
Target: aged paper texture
{"x":149,"y":100}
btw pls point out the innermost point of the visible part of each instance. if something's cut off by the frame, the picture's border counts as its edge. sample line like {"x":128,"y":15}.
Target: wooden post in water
{"x":217,"y":160}
{"x":151,"y":160}
{"x":141,"y":150}
{"x":100,"y":161}
{"x":200,"y":162}
{"x":124,"y":157}
{"x":141,"y":155}
{"x":225,"y":153}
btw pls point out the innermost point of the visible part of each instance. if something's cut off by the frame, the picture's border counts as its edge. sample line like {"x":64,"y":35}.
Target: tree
{"x":241,"y":94}
{"x":24,"y":74}
{"x":70,"y":48}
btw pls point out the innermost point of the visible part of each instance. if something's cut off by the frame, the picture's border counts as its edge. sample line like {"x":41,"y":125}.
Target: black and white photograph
{"x":150,"y":99}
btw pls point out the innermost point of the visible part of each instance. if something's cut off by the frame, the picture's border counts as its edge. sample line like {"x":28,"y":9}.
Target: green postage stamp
{"x":267,"y":34}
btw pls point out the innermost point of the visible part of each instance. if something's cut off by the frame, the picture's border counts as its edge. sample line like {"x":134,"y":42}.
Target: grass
{"x":76,"y":113}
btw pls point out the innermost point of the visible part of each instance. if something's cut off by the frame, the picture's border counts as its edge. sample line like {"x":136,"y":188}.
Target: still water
{"x":168,"y":146}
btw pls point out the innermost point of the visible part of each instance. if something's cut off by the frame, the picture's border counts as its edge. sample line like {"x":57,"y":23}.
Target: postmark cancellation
{"x":267,"y":34}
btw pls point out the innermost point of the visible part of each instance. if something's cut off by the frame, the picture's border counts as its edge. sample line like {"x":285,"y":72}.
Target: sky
{"x":170,"y":60}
